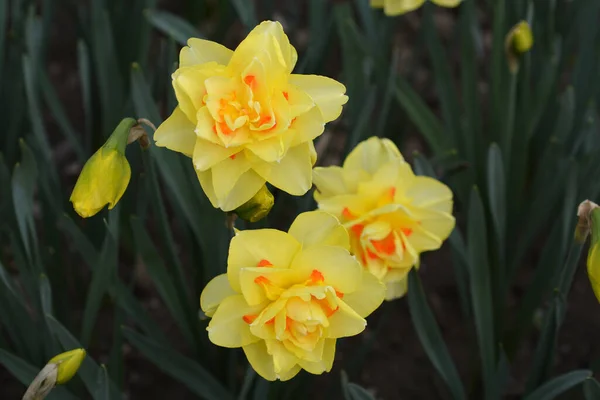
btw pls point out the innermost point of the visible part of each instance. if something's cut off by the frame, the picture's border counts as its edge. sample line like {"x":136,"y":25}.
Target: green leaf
{"x":89,"y":369}
{"x":85,"y":78}
{"x":172,"y":25}
{"x":422,"y":116}
{"x":246,"y":12}
{"x":46,"y":294}
{"x":26,"y":373}
{"x":481,"y":290}
{"x":591,"y":389}
{"x":183,"y":369}
{"x":161,"y":278}
{"x":102,"y":385}
{"x":23,"y":187}
{"x":496,"y":188}
{"x":352,"y":391}
{"x":431,"y":337}
{"x":551,"y":389}
{"x":104,"y":270}
{"x":443,"y":78}
{"x":59,"y":114}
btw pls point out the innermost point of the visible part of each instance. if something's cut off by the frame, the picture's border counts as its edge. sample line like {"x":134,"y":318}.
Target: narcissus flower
{"x":287,"y":297}
{"x":245,"y":119}
{"x":591,"y":215}
{"x":391,"y":214}
{"x":517,"y":42}
{"x":397,"y":7}
{"x":105,"y":175}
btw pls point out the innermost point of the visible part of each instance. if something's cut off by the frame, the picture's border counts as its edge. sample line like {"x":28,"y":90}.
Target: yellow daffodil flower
{"x":245,"y":119}
{"x":105,"y":175}
{"x":398,"y":7}
{"x":392,"y":215}
{"x":287,"y":297}
{"x":518,"y":41}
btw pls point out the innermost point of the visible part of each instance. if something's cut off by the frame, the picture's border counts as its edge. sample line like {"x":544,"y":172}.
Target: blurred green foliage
{"x":519,"y":157}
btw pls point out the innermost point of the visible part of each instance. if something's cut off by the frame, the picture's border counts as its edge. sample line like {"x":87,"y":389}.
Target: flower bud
{"x":593,"y":259}
{"x":59,"y":370}
{"x":105,"y":175}
{"x":67,"y":363}
{"x":518,"y":41}
{"x":257,"y":207}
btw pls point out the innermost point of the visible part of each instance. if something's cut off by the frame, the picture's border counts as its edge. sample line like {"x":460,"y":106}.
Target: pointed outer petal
{"x":396,"y":289}
{"x":344,"y":322}
{"x":270,"y":45}
{"x":254,"y":293}
{"x":438,"y":224}
{"x":227,"y":327}
{"x":328,"y":94}
{"x":326,"y":362}
{"x":397,"y":7}
{"x":447,"y":3}
{"x":355,"y":204}
{"x":190,"y":90}
{"x":226,"y":173}
{"x":248,"y":248}
{"x":244,"y":189}
{"x":377,"y":230}
{"x":329,"y":181}
{"x":176,"y":133}
{"x":293,"y":174}
{"x":261,"y":361}
{"x":370,"y":154}
{"x":340,"y":269}
{"x":205,"y":179}
{"x":319,"y":227}
{"x":377,"y":3}
{"x":395,"y":174}
{"x":313,"y":153}
{"x":430,"y":193}
{"x":208,"y":154}
{"x":299,"y":101}
{"x":368,"y":296}
{"x":283,"y":360}
{"x":307,"y":127}
{"x":260,"y":328}
{"x":214,"y":293}
{"x":205,"y":128}
{"x":200,"y":51}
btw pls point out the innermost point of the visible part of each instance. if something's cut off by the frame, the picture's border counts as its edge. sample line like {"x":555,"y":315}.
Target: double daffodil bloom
{"x":397,"y":7}
{"x":287,"y":297}
{"x":392,"y":215}
{"x":245,"y":119}
{"x":105,"y":175}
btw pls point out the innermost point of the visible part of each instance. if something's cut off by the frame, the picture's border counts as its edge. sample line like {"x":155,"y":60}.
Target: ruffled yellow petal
{"x":226,"y":173}
{"x":176,"y":133}
{"x":293,"y":174}
{"x":307,"y":127}
{"x":371,"y":154}
{"x":447,"y":3}
{"x":325,"y":363}
{"x":228,"y":328}
{"x":396,"y":289}
{"x":337,"y":267}
{"x":397,"y":7}
{"x":250,"y":248}
{"x":369,"y":295}
{"x":214,"y":293}
{"x":328,"y":94}
{"x":429,"y":193}
{"x":329,"y":181}
{"x":318,"y":227}
{"x":207,"y":154}
{"x":200,"y":51}
{"x":262,"y":362}
{"x":190,"y":89}
{"x":345,"y":322}
{"x":259,"y":283}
